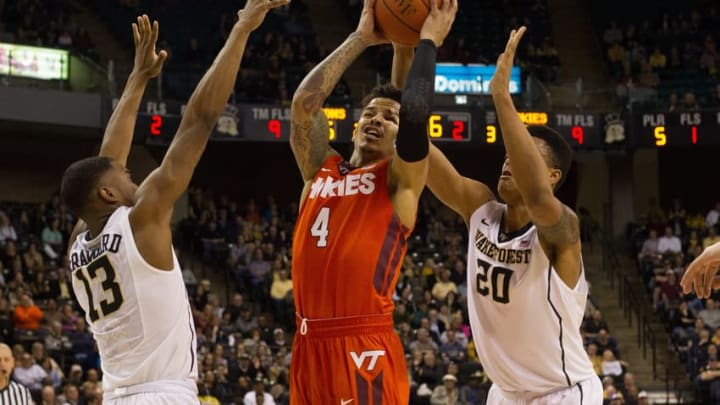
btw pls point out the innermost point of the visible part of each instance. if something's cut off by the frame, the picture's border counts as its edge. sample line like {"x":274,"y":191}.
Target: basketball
{"x":401,"y":20}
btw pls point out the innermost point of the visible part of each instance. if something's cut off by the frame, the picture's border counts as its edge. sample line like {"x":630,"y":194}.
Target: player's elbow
{"x":305,"y":102}
{"x":197,"y":115}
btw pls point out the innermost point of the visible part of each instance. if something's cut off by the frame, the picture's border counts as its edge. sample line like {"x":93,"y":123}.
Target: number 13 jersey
{"x":525,"y":320}
{"x":348,"y":245}
{"x":139,"y":315}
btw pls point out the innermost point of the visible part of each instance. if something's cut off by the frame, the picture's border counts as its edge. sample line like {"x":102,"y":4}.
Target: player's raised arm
{"x":118,"y":136}
{"x":700,"y":274}
{"x":402,"y":60}
{"x":462,"y":194}
{"x":309,"y":127}
{"x":557,"y":224}
{"x":408,"y":170}
{"x":148,"y":63}
{"x":157,"y":194}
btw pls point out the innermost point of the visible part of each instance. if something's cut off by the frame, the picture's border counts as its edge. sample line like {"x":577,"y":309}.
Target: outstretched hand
{"x":500,"y":82}
{"x":255,"y":11}
{"x":148,"y":62}
{"x":700,"y":274}
{"x":366,"y":26}
{"x":438,"y":23}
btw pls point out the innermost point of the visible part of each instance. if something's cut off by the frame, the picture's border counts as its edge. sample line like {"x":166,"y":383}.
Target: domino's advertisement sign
{"x":456,"y":78}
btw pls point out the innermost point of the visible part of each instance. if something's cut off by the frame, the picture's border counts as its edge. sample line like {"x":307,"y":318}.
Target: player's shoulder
{"x":491,"y":211}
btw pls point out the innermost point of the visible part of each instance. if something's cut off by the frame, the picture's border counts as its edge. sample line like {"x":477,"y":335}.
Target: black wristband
{"x":412,"y":142}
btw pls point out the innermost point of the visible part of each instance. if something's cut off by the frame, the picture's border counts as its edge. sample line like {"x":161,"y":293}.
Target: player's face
{"x":507,"y":187}
{"x":118,"y":181}
{"x":377,"y":128}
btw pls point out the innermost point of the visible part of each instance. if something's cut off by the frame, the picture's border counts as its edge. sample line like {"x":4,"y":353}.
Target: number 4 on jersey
{"x":319,"y":228}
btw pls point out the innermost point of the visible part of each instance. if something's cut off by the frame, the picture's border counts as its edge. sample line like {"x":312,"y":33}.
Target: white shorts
{"x":586,"y":392}
{"x":154,"y":393}
{"x":154,"y":398}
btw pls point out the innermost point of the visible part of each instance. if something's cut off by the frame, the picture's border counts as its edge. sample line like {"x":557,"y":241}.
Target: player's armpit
{"x":461,"y":194}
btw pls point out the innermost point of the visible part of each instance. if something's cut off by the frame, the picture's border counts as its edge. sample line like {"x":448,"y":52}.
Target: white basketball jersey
{"x":525,"y":320}
{"x":139,"y":315}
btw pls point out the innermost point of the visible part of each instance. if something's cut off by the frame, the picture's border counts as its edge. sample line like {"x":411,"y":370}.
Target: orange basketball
{"x":401,"y":20}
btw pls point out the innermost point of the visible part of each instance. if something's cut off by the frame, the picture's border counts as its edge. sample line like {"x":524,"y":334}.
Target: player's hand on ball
{"x":700,"y":274}
{"x":500,"y":82}
{"x":366,"y":26}
{"x":438,"y":23}
{"x":148,"y":62}
{"x":255,"y":11}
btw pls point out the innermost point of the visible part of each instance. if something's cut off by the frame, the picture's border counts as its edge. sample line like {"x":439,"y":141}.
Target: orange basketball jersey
{"x":348,"y":244}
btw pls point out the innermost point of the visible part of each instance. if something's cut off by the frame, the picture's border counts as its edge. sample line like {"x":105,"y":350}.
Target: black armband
{"x":412,"y":143}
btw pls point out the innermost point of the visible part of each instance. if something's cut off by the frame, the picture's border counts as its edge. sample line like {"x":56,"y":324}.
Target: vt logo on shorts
{"x":372,"y":354}
{"x":362,"y":384}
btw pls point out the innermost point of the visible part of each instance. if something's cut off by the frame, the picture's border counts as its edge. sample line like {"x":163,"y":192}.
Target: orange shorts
{"x":348,"y":361}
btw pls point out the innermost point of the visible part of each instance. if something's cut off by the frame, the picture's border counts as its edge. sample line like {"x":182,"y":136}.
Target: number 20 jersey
{"x":348,"y":245}
{"x":525,"y":320}
{"x":139,"y":315}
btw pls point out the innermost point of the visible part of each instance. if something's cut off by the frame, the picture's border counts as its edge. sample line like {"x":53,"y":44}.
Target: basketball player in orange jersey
{"x":700,"y":274}
{"x":355,"y":217}
{"x":125,"y":273}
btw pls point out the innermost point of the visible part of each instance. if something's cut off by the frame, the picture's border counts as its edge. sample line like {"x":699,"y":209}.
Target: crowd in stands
{"x":283,"y":50}
{"x":278,"y":55}
{"x":603,"y":350}
{"x":666,"y":242}
{"x":56,"y":356}
{"x":44,"y":23}
{"x":666,"y":58}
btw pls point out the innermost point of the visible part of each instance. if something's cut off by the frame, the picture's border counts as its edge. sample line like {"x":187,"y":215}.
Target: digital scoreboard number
{"x":452,"y":126}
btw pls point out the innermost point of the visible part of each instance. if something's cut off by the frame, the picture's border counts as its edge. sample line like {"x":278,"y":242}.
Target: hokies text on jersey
{"x":107,"y":243}
{"x":502,"y":255}
{"x":351,"y":184}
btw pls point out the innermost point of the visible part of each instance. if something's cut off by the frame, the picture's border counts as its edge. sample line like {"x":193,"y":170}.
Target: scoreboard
{"x":159,"y":121}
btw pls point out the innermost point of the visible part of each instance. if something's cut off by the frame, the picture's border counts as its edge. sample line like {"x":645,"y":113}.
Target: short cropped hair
{"x":561,"y":152}
{"x":384,"y":91}
{"x":80,"y":179}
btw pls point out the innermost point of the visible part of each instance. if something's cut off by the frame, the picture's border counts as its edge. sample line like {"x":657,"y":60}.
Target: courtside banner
{"x":33,"y":62}
{"x":456,"y":78}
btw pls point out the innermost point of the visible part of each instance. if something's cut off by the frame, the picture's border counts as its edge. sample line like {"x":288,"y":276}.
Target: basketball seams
{"x":398,"y":18}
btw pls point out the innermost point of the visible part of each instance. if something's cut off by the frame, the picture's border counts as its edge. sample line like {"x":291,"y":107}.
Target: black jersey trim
{"x":192,"y":342}
{"x":557,"y":314}
{"x":503,"y":236}
{"x":581,"y":393}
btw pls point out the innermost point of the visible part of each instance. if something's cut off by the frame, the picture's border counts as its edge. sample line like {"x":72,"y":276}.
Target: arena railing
{"x":635,"y":306}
